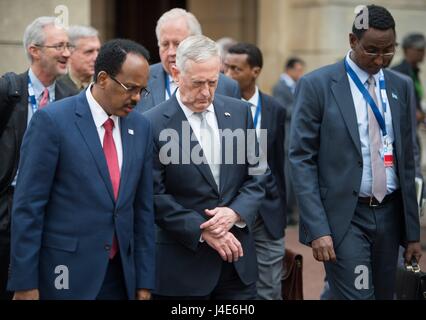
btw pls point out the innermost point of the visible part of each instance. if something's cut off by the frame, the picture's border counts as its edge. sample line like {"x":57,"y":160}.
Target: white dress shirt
{"x":99,"y":117}
{"x":172,"y":85}
{"x":361,"y":109}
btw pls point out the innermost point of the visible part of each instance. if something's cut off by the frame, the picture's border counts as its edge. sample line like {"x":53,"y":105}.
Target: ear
{"x":256,"y":71}
{"x":102,"y":79}
{"x":353,"y":40}
{"x":34,"y":52}
{"x":175,"y":74}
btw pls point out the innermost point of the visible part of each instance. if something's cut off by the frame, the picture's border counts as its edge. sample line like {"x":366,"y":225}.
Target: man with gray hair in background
{"x":81,"y":64}
{"x":172,"y":28}
{"x":204,"y":210}
{"x":48,"y":49}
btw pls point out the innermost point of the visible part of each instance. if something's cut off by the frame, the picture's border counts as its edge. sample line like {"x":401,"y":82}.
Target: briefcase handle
{"x":413,"y":266}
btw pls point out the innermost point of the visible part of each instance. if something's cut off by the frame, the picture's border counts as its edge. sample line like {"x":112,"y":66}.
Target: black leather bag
{"x":9,"y":96}
{"x":411,"y":283}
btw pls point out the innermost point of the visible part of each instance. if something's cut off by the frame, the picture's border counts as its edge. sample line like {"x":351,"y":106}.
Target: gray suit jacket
{"x":284,"y":95}
{"x":157,"y":88}
{"x":325,"y":153}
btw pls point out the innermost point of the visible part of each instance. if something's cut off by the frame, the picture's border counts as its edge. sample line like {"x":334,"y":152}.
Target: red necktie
{"x":44,"y":99}
{"x":111,"y":157}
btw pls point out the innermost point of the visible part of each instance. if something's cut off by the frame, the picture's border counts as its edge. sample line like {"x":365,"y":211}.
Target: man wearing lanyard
{"x":47,"y":48}
{"x":172,"y":28}
{"x":244,"y":63}
{"x":352,"y":163}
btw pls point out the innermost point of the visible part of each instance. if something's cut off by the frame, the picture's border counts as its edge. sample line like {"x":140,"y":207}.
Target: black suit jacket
{"x":186,"y":266}
{"x":11,"y":139}
{"x":273,"y":208}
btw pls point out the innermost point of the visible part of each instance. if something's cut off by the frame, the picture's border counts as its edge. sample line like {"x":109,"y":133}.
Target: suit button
{"x":355,"y":193}
{"x":107,"y":247}
{"x":360,"y":163}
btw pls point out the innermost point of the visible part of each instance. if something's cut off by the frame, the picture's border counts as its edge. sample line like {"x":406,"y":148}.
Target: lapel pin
{"x":227,"y":114}
{"x":130,"y":131}
{"x":394,"y":96}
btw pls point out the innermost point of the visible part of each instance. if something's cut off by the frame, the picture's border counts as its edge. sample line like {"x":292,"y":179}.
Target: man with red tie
{"x":82,"y":220}
{"x":47,"y":47}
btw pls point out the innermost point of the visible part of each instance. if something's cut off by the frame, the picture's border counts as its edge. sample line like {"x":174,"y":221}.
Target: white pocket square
{"x":130,"y":131}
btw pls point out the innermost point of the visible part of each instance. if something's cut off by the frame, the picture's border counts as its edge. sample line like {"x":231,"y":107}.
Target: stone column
{"x":15,"y":15}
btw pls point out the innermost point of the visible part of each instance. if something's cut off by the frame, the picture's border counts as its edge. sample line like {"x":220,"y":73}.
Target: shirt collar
{"x":98,"y":113}
{"x":188,"y":112}
{"x":38,"y":87}
{"x":254,"y":99}
{"x":362,"y":75}
{"x":79,"y":84}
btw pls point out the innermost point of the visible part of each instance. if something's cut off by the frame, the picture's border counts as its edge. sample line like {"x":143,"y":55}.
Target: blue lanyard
{"x":258,"y":110}
{"x":368,"y":97}
{"x":31,"y":96}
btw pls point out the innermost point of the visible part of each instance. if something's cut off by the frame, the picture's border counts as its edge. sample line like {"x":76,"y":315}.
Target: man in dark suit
{"x":172,"y":28}
{"x":244,"y":63}
{"x":82,"y":219}
{"x":47,"y":48}
{"x":81,"y":65}
{"x":283,"y":91}
{"x":352,"y":163}
{"x":414,"y":46}
{"x":208,"y":195}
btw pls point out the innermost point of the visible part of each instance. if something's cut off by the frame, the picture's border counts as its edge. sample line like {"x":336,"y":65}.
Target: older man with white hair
{"x":172,"y":28}
{"x":48,"y":49}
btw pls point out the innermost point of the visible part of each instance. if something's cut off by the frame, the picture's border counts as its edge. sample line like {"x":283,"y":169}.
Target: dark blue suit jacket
{"x":157,"y":88}
{"x":64,"y":212}
{"x":186,"y":266}
{"x":325,"y":153}
{"x":273,"y":208}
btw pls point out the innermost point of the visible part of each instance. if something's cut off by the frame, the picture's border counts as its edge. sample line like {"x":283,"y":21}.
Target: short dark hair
{"x":254,"y":55}
{"x":378,"y":18}
{"x":291,"y":62}
{"x":113,"y":53}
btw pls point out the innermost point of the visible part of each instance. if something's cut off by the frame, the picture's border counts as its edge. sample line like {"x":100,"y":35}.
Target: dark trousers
{"x":229,"y":287}
{"x":113,"y":287}
{"x":367,"y":255}
{"x":5,"y":211}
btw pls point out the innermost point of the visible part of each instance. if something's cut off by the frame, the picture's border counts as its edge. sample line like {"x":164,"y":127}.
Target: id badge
{"x":388,"y":153}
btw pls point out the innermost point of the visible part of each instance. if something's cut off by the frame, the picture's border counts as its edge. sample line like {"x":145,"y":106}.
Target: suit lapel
{"x":391,"y":93}
{"x":177,"y":117}
{"x":158,"y":86}
{"x":127,"y":143}
{"x":86,"y":125}
{"x":223,"y":124}
{"x":343,"y":95}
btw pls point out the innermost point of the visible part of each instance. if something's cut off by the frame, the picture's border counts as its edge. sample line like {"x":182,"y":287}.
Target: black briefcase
{"x":411,"y":283}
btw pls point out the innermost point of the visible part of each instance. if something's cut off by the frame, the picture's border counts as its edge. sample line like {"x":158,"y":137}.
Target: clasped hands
{"x":216,"y":233}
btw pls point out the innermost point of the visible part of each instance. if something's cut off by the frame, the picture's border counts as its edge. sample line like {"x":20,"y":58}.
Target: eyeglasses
{"x":376,"y":54}
{"x":60,"y":47}
{"x":143,"y":92}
